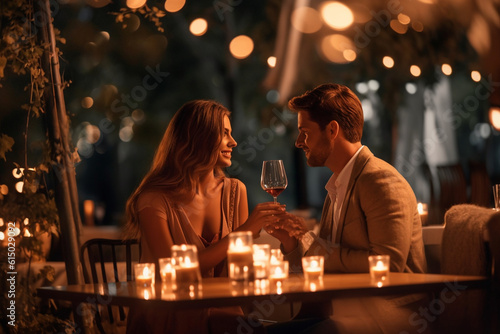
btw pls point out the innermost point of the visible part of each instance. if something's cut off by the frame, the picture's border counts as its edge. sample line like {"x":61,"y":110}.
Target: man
{"x":370,"y":209}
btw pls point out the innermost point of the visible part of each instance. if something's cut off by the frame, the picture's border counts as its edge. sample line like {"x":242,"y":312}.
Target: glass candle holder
{"x":144,"y":274}
{"x":313,"y":267}
{"x":276,"y":255}
{"x":379,"y":268}
{"x":278,"y":272}
{"x":261,"y":257}
{"x":424,"y":214}
{"x":167,"y":271}
{"x":186,"y":267}
{"x":240,"y":257}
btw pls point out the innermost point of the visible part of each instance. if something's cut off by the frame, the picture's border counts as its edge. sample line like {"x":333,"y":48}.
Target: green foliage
{"x":31,"y":214}
{"x":6,"y":144}
{"x":153,"y":14}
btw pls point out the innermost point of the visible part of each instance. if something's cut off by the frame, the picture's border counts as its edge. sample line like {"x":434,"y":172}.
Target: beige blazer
{"x":379,"y":216}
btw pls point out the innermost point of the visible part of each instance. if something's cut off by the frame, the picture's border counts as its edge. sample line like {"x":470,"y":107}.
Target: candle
{"x":261,"y":254}
{"x":166,"y":270}
{"x":144,"y":273}
{"x":186,"y":272}
{"x":313,"y":267}
{"x":424,"y":215}
{"x":240,"y":256}
{"x":278,"y":273}
{"x":379,"y":268}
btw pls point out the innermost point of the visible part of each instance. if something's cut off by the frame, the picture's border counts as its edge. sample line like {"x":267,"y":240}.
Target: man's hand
{"x":289,"y":229}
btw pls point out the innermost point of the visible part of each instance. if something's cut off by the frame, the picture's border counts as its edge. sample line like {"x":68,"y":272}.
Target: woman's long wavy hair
{"x":188,"y":151}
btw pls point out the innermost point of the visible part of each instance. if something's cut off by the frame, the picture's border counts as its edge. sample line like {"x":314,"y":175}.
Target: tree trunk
{"x":62,"y":158}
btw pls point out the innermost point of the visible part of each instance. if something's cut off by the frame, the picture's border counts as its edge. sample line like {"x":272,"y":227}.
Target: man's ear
{"x":333,"y":129}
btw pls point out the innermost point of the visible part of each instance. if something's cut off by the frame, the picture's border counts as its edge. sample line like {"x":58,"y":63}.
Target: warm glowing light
{"x":173,"y":6}
{"x":26,"y":233}
{"x":4,"y":190}
{"x":105,"y":35}
{"x":17,"y":231}
{"x":388,"y":62}
{"x":19,"y":186}
{"x":398,"y":27}
{"x":476,"y":76}
{"x":403,"y":19}
{"x":198,"y":27}
{"x":349,"y":55}
{"x":2,"y":236}
{"x":446,"y":68}
{"x":26,"y":221}
{"x":417,"y":26}
{"x":337,"y":15}
{"x":87,"y":102}
{"x":92,"y":133}
{"x":429,"y":2}
{"x":306,"y":20}
{"x":138,"y":115}
{"x":271,"y":61}
{"x":126,"y":134}
{"x":494,"y":114}
{"x":415,"y":70}
{"x":135,"y":4}
{"x":241,"y":46}
{"x":17,"y":172}
{"x":2,"y":222}
{"x":334,"y":48}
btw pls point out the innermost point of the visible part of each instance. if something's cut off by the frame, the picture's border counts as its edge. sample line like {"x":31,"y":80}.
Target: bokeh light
{"x":446,"y":68}
{"x":271,"y":61}
{"x":415,"y":70}
{"x":241,"y":46}
{"x":306,"y":20}
{"x":87,"y":102}
{"x":398,"y":27}
{"x":337,"y":15}
{"x":388,"y":62}
{"x":494,"y":115}
{"x":475,"y":75}
{"x":173,"y":6}
{"x":135,"y":4}
{"x":411,"y":88}
{"x":198,"y":27}
{"x":334,"y":47}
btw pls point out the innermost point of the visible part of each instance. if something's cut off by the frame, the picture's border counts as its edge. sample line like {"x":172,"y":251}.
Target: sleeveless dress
{"x":196,"y":320}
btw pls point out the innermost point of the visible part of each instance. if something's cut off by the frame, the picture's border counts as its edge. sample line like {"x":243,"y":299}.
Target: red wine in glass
{"x":273,"y":178}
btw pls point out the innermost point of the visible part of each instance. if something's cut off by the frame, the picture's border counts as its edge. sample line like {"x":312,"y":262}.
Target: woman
{"x":175,"y":204}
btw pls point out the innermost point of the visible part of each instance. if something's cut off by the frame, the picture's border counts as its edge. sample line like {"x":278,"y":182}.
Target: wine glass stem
{"x":275,"y":200}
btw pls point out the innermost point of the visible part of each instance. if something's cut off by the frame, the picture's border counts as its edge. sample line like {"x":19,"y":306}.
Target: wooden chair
{"x":494,"y":243}
{"x":464,"y":251}
{"x":103,"y":261}
{"x":480,"y":184}
{"x":452,"y":187}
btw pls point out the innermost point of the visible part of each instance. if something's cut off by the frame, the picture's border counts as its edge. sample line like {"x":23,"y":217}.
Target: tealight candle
{"x":166,"y":270}
{"x":240,"y":256}
{"x":276,"y":255}
{"x":379,"y":267}
{"x":313,"y":267}
{"x":278,"y":273}
{"x":424,"y":214}
{"x":261,"y":255}
{"x":186,"y":267}
{"x":144,"y":273}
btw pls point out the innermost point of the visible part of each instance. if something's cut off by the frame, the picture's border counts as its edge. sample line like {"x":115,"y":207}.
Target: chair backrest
{"x":452,"y":187}
{"x":464,"y":251}
{"x":480,"y":184}
{"x":100,"y":256}
{"x":104,"y":261}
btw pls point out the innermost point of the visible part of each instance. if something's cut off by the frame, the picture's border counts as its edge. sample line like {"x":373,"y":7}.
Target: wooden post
{"x":62,"y":158}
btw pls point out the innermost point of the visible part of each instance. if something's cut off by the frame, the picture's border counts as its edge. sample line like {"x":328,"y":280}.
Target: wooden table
{"x":219,"y":291}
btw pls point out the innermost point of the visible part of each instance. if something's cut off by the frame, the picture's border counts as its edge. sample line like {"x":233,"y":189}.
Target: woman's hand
{"x":289,"y":229}
{"x":263,"y":214}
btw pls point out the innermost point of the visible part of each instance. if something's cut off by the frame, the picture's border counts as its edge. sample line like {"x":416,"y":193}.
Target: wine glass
{"x":273,"y":179}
